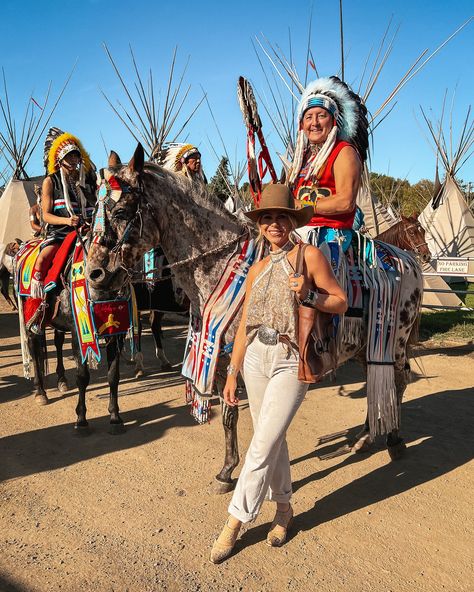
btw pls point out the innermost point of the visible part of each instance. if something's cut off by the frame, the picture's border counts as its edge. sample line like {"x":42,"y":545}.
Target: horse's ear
{"x":138,"y":160}
{"x":114,"y":160}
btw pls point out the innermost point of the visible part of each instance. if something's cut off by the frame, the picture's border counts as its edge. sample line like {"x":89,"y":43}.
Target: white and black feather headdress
{"x":350,"y":116}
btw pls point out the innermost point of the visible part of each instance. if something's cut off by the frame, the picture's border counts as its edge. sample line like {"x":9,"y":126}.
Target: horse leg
{"x":138,"y":357}
{"x":230,"y":417}
{"x":4,"y":287}
{"x":156,"y":323}
{"x":395,"y":444}
{"x":82,"y":382}
{"x":114,"y":347}
{"x":36,"y":347}
{"x":60,"y":372}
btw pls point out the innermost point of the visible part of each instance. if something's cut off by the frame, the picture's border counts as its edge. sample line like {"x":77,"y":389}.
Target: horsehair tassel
{"x":67,"y":199}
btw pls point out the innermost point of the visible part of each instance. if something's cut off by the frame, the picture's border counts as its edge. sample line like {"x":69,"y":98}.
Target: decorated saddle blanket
{"x":203,"y":344}
{"x":92,"y":320}
{"x":26,"y":260}
{"x":371,"y":273}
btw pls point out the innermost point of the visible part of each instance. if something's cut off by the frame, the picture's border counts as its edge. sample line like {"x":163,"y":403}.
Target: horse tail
{"x":414,"y":336}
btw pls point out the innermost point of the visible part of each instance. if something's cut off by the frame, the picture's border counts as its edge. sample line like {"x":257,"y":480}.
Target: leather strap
{"x":300,"y":259}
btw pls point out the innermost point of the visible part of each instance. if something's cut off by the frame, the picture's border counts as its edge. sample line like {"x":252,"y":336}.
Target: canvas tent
{"x":447,"y":219}
{"x":15,"y":203}
{"x":377,"y":218}
{"x":448,"y":223}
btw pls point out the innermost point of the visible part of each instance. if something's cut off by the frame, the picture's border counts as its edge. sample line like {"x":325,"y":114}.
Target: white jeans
{"x":275,"y":394}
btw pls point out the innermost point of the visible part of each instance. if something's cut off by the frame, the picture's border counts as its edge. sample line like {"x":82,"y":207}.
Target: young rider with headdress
{"x":67,"y":197}
{"x":330,"y":150}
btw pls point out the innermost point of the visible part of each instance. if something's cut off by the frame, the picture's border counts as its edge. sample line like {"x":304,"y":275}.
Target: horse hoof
{"x":363,"y":444}
{"x":116,"y":429}
{"x":396,"y":451}
{"x":62,"y":385}
{"x":41,"y":399}
{"x":139,"y":373}
{"x":221,"y":487}
{"x":82,"y":429}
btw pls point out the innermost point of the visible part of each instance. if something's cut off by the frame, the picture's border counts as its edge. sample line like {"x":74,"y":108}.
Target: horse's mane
{"x":198,"y":193}
{"x":392,"y":235}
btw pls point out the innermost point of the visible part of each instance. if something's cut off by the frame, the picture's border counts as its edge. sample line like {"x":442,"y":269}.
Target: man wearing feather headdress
{"x":183,"y":159}
{"x":331,"y":146}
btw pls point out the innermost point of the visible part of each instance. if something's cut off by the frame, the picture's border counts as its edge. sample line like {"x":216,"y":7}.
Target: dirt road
{"x":137,"y":513}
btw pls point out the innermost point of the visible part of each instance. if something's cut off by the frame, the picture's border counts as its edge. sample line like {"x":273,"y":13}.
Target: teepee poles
{"x":18,"y":143}
{"x":145,"y":118}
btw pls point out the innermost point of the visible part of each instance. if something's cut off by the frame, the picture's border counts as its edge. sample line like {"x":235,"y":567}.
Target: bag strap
{"x":300,"y":258}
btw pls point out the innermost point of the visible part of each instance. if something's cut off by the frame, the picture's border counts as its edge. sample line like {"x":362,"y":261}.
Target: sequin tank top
{"x":272,"y":303}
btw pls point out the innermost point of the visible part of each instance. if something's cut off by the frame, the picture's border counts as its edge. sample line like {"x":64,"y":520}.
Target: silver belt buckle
{"x":267,"y":335}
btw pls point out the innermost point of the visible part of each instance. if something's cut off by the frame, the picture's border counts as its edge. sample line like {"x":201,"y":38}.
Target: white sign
{"x":452,"y":266}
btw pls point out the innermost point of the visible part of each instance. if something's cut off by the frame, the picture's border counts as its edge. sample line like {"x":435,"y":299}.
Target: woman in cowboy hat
{"x":265,"y":348}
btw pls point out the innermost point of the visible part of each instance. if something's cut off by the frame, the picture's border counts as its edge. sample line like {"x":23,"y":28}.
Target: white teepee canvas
{"x":377,"y":218}
{"x":15,"y":203}
{"x":449,"y":227}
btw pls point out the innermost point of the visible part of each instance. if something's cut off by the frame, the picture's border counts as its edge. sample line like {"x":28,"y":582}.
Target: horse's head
{"x":124,"y":227}
{"x":413,"y":234}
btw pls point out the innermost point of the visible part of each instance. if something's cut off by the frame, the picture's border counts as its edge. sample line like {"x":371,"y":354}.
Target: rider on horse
{"x":327,"y":167}
{"x":182,"y":159}
{"x":67,"y":201}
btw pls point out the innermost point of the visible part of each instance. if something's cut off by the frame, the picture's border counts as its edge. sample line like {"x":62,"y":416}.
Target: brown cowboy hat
{"x":279,"y":197}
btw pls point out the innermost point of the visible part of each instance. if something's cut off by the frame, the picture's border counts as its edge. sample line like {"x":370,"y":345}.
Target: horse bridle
{"x":110,"y":190}
{"x":415,"y":247}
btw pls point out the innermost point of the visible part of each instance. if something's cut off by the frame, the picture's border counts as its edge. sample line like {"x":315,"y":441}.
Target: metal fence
{"x":449,"y":267}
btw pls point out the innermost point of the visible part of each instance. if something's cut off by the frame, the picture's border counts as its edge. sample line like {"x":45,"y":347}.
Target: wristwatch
{"x":311,"y":299}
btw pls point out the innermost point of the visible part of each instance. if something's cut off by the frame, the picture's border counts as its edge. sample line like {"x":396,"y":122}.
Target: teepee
{"x":17,"y":144}
{"x":15,"y":203}
{"x":377,"y":217}
{"x":447,"y":219}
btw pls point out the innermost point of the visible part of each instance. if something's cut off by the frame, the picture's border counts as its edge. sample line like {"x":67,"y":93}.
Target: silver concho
{"x":267,"y":335}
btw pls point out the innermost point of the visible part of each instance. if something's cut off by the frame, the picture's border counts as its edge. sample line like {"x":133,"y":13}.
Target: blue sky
{"x":40,"y":41}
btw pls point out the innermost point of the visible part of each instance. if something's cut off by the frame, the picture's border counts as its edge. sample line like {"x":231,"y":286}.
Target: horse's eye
{"x":120,"y":215}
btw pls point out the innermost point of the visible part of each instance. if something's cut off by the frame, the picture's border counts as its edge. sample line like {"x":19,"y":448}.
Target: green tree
{"x":400,"y":195}
{"x":220,"y":183}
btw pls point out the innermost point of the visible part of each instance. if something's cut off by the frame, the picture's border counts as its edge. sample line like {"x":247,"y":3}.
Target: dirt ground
{"x":137,"y":512}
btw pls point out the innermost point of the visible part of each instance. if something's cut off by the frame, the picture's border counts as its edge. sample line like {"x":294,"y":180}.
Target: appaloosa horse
{"x":198,"y":235}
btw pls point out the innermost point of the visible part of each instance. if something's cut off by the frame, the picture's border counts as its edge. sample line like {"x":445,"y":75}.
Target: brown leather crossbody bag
{"x":316,"y":343}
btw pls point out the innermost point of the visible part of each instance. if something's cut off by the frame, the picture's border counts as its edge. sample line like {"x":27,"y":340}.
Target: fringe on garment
{"x":92,"y":361}
{"x":36,"y":288}
{"x":353,"y":330}
{"x":25,"y":351}
{"x":382,"y":401}
{"x":200,"y":407}
{"x":384,"y":291}
{"x":382,"y":404}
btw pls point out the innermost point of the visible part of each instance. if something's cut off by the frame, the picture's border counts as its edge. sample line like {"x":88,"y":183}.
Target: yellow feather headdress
{"x":61,"y":146}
